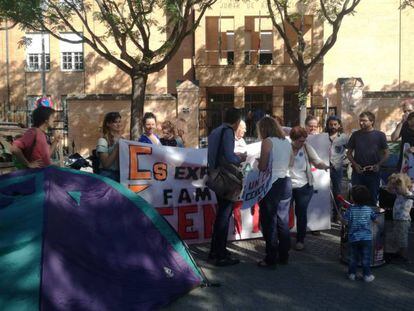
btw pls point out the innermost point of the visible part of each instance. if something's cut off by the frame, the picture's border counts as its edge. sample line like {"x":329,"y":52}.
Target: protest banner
{"x":319,"y":209}
{"x":173,"y":181}
{"x":407,"y":165}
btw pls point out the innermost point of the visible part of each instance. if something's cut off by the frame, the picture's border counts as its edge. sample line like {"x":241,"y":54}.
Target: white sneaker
{"x":369,"y":278}
{"x":351,"y":277}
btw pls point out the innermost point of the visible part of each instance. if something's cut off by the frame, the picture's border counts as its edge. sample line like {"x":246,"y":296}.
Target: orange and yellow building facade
{"x":237,"y":58}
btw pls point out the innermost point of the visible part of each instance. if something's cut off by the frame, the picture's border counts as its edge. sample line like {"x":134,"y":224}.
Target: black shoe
{"x":400,"y":260}
{"x":213,"y":256}
{"x":228,"y":261}
{"x":283,"y":261}
{"x":265,"y":264}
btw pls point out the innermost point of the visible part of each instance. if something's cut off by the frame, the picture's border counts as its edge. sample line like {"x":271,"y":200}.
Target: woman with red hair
{"x":302,"y":180}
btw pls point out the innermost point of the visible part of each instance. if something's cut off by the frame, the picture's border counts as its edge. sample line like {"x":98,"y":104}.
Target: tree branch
{"x":282,"y":31}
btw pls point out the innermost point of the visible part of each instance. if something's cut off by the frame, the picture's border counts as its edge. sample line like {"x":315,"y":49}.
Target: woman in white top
{"x":107,"y":147}
{"x":302,"y":180}
{"x":274,"y":207}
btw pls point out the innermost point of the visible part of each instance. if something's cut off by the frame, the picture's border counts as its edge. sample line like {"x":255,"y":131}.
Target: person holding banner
{"x":149,"y":122}
{"x":107,"y":147}
{"x":168,"y":135}
{"x":302,"y":180}
{"x":274,"y":207}
{"x":240,"y":147}
{"x":221,"y":145}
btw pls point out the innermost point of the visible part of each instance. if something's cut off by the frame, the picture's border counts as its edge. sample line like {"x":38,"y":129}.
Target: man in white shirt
{"x":337,"y":153}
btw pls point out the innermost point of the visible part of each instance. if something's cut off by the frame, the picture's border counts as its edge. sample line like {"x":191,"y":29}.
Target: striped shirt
{"x":359,"y":222}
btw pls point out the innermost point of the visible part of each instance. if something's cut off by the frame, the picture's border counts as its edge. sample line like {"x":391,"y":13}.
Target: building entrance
{"x":213,"y":114}
{"x":257,"y":104}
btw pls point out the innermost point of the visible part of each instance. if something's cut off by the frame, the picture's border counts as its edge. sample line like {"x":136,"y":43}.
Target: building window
{"x":34,"y":62}
{"x":33,"y":42}
{"x":258,"y":41}
{"x":72,"y":61}
{"x":266,"y":48}
{"x":219,"y":40}
{"x":229,"y":52}
{"x":71,"y":52}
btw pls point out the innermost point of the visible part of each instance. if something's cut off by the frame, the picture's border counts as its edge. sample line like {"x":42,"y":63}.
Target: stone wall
{"x":85,"y":116}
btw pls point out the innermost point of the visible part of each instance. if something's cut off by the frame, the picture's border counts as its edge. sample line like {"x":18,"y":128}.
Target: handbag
{"x":225,"y":179}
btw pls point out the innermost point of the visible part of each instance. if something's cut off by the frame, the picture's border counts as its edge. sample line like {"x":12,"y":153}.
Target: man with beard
{"x":367,"y":151}
{"x":337,"y":152}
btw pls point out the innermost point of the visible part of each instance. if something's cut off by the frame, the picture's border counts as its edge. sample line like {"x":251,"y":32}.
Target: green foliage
{"x":407,"y":3}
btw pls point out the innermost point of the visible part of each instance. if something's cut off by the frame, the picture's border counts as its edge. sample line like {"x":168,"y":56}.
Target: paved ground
{"x":314,"y":280}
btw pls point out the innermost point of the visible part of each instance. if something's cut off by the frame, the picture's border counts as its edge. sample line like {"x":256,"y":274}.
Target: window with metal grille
{"x":71,"y":48}
{"x":72,"y":61}
{"x":34,"y":62}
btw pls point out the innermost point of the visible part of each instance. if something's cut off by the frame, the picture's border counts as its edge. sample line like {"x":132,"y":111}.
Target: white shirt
{"x":298,"y":170}
{"x":337,"y":150}
{"x":281,"y":152}
{"x":240,"y":145}
{"x":103,"y":147}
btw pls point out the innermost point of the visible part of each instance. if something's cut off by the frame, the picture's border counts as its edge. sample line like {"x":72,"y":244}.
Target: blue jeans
{"x":221,"y":228}
{"x":336,"y":180}
{"x":360,"y":250}
{"x":274,"y":220}
{"x":370,"y":180}
{"x":301,"y":197}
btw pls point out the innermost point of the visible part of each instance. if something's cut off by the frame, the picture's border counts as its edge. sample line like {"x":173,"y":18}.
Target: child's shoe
{"x":369,"y":278}
{"x":351,"y":276}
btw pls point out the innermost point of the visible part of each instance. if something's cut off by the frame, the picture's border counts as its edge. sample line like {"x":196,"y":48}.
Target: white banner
{"x":172,"y":180}
{"x":319,"y":209}
{"x":407,"y":165}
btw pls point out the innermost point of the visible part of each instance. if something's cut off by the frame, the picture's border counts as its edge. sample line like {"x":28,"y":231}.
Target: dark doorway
{"x":257,"y":103}
{"x":210,"y":117}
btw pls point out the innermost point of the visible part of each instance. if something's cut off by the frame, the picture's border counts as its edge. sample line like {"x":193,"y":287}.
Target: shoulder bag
{"x":225,"y":179}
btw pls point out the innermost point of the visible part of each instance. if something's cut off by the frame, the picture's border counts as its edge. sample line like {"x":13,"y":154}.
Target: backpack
{"x":94,"y":158}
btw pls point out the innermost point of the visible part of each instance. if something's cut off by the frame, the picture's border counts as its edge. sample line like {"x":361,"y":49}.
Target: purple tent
{"x":76,"y":241}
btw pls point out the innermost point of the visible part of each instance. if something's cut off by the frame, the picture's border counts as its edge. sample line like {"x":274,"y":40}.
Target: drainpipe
{"x":43,"y":66}
{"x":7,"y":105}
{"x":399,"y":50}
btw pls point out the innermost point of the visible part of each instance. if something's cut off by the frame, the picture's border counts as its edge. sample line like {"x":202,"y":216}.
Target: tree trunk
{"x":139,"y":82}
{"x":303,"y":95}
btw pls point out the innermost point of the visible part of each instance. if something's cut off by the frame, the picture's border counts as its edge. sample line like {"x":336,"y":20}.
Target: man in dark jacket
{"x":221,"y":144}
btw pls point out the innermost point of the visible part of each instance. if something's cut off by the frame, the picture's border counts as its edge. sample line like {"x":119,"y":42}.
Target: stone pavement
{"x":314,"y":280}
